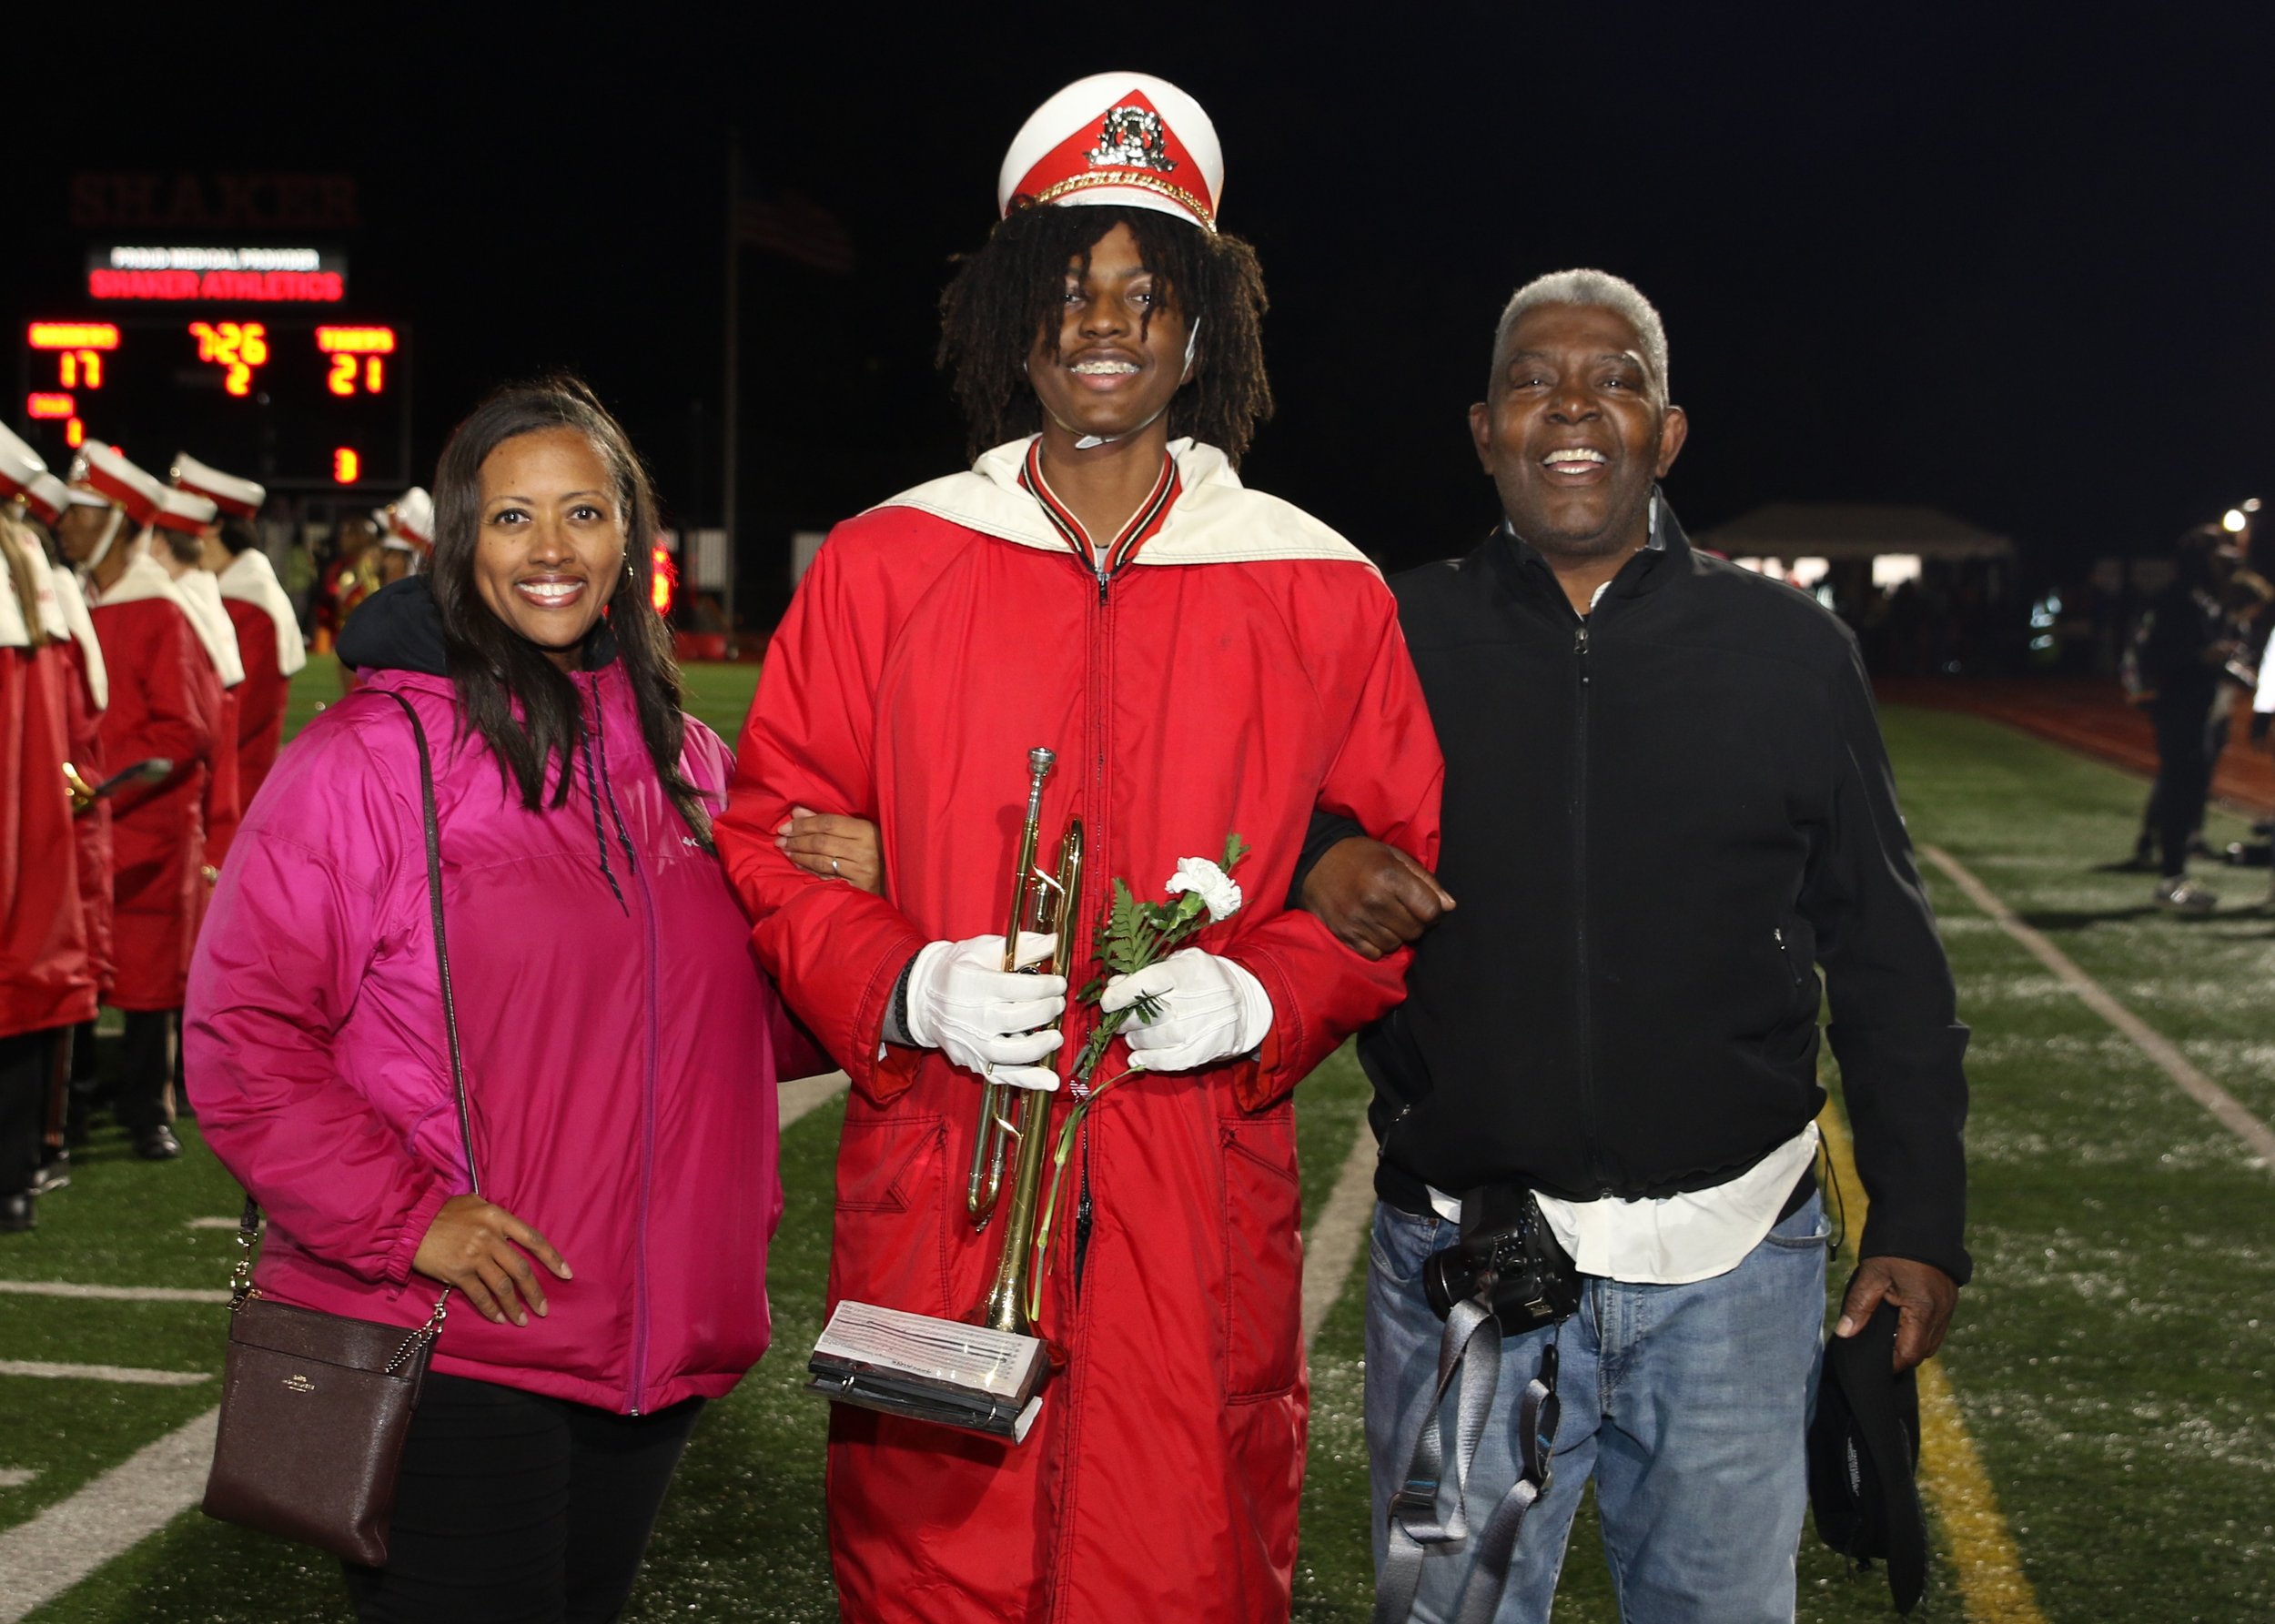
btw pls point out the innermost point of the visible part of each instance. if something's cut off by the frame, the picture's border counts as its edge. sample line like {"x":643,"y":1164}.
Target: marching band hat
{"x":20,"y":466}
{"x":1126,"y":138}
{"x":105,"y":470}
{"x":48,"y":498}
{"x":241,"y":498}
{"x":410,"y":518}
{"x":184,"y":510}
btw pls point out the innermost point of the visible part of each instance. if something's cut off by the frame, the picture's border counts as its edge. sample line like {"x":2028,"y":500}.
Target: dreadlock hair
{"x":492,"y":667}
{"x":1005,"y":296}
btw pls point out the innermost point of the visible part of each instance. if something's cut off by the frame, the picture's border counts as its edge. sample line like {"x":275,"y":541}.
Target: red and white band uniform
{"x":166,"y":700}
{"x":48,"y":972}
{"x":1243,"y":667}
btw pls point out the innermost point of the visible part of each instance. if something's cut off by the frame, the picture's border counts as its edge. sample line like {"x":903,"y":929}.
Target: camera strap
{"x":1472,"y":1339}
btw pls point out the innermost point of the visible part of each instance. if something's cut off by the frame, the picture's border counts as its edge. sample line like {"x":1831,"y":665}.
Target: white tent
{"x":1835,"y":530}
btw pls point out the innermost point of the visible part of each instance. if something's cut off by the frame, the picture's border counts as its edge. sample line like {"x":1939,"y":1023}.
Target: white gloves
{"x":1210,"y":1008}
{"x":963,"y":1003}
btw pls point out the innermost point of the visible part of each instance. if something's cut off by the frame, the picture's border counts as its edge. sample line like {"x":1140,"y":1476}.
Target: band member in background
{"x":407,"y":522}
{"x":1205,"y":659}
{"x":46,"y":976}
{"x":268,"y":642}
{"x":178,"y":542}
{"x":85,"y":696}
{"x":165,"y":704}
{"x":352,"y":576}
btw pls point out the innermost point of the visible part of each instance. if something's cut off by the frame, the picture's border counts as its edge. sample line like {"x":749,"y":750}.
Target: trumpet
{"x":1050,"y":904}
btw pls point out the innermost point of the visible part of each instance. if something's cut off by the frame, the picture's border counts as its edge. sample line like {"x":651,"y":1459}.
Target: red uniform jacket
{"x":85,"y":693}
{"x":165,"y":700}
{"x":268,"y":642}
{"x":46,"y":979}
{"x":1245,"y":667}
{"x":200,"y":594}
{"x":259,"y":723}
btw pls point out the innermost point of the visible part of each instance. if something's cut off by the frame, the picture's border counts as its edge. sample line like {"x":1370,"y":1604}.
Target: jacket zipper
{"x":647,"y":1107}
{"x":1784,"y":949}
{"x":1093,"y":863}
{"x":1588,"y":1100}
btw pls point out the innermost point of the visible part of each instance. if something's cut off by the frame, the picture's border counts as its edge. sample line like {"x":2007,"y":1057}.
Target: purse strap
{"x":249,"y":1222}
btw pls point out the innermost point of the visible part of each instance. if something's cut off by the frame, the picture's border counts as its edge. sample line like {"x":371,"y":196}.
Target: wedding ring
{"x":832,"y":867}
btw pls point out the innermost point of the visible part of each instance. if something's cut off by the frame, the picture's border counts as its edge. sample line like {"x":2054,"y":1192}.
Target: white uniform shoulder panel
{"x":1216,"y":520}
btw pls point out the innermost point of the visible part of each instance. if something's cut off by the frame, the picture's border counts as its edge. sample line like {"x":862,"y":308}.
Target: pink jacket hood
{"x":618,"y":1036}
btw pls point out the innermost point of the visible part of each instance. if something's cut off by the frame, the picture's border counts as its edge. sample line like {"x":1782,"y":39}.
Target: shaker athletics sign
{"x":184,"y":274}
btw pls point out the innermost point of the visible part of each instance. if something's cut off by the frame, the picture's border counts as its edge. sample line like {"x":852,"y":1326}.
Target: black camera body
{"x":1507,"y":1252}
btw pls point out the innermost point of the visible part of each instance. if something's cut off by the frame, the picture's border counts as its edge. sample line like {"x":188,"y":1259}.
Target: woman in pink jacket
{"x":621,"y":1045}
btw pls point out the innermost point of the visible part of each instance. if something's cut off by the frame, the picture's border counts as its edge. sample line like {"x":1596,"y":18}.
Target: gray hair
{"x":1602,"y":290}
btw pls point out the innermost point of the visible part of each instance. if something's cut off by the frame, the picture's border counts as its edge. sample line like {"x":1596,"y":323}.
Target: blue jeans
{"x":1687,"y":1404}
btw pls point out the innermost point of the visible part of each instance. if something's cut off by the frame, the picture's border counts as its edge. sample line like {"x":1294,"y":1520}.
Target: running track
{"x":2090,"y":715}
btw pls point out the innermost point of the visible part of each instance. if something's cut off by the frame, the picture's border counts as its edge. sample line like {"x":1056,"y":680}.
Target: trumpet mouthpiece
{"x":1041,"y":758}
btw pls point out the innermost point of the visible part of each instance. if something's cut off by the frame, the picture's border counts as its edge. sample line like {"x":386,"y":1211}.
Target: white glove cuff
{"x":1254,"y":1021}
{"x":923,"y":977}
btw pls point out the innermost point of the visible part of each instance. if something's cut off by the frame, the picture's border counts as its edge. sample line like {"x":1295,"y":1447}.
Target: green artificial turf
{"x":2111,"y":1359}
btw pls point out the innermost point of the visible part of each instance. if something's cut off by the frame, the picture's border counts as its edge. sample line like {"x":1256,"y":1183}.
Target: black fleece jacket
{"x":1659,"y":822}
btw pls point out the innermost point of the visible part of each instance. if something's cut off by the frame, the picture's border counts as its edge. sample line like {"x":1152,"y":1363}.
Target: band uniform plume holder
{"x":314,"y":1406}
{"x":984,"y":1373}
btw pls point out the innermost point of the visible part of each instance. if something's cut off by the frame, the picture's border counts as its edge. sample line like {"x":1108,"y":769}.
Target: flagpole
{"x":732,"y":389}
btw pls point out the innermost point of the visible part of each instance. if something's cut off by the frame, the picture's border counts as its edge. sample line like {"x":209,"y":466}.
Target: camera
{"x":1507,"y":1253}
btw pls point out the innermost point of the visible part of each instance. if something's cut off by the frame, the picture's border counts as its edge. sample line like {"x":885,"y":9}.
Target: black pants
{"x":517,"y":1509}
{"x":27,"y":1066}
{"x":2184,"y":781}
{"x":146,"y":1071}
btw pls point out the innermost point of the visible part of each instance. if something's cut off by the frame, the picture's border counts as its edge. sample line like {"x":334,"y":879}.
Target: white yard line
{"x":117,"y":1373}
{"x":70,"y":1539}
{"x":116,"y":1511}
{"x":15,"y":1477}
{"x":210,"y":1223}
{"x":113,"y":1294}
{"x":1335,"y":1240}
{"x":2224,"y":1107}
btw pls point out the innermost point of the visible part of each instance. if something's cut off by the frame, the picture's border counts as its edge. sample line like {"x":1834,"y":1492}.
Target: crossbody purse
{"x":314,"y":1406}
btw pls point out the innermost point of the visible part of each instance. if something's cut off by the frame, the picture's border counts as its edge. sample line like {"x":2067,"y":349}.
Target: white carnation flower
{"x":1217,"y":889}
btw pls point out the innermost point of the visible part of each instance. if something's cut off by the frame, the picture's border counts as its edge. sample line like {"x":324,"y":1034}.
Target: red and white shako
{"x":1126,"y":138}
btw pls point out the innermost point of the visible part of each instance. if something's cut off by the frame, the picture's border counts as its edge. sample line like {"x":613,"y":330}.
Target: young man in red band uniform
{"x":47,"y":982}
{"x":166,"y":700}
{"x":269,"y":646}
{"x":1205,"y":659}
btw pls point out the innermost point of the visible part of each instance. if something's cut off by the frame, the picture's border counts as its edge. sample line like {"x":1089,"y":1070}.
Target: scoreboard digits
{"x":294,"y":402}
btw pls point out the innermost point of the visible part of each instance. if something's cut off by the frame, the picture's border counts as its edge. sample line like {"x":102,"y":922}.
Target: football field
{"x":2099,"y":1429}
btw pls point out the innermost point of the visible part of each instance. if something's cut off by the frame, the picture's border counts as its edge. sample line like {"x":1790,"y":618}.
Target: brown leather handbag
{"x":314,"y":1406}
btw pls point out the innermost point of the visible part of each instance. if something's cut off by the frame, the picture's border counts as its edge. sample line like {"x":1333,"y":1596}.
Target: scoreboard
{"x":296,"y":398}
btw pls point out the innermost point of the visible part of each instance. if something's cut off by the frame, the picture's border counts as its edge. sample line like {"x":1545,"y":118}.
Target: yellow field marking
{"x":1993,"y":1588}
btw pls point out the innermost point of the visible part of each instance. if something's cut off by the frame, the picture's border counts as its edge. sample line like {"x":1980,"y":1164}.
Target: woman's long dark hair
{"x":1007,"y":295}
{"x":492,"y":667}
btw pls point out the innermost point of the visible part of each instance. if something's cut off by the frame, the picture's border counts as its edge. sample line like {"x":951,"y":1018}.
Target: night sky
{"x":2022,"y":270}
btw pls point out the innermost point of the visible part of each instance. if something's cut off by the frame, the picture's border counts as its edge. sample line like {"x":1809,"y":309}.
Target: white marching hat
{"x":1126,"y":138}
{"x":48,"y":498}
{"x":410,"y":519}
{"x":239,"y":498}
{"x":184,"y":511}
{"x":105,"y":470}
{"x":20,"y":466}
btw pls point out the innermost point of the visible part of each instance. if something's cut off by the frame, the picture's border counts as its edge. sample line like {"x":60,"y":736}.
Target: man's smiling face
{"x":1576,"y":430}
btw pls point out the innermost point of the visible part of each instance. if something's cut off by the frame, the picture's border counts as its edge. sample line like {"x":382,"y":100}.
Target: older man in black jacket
{"x":1667,"y":807}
